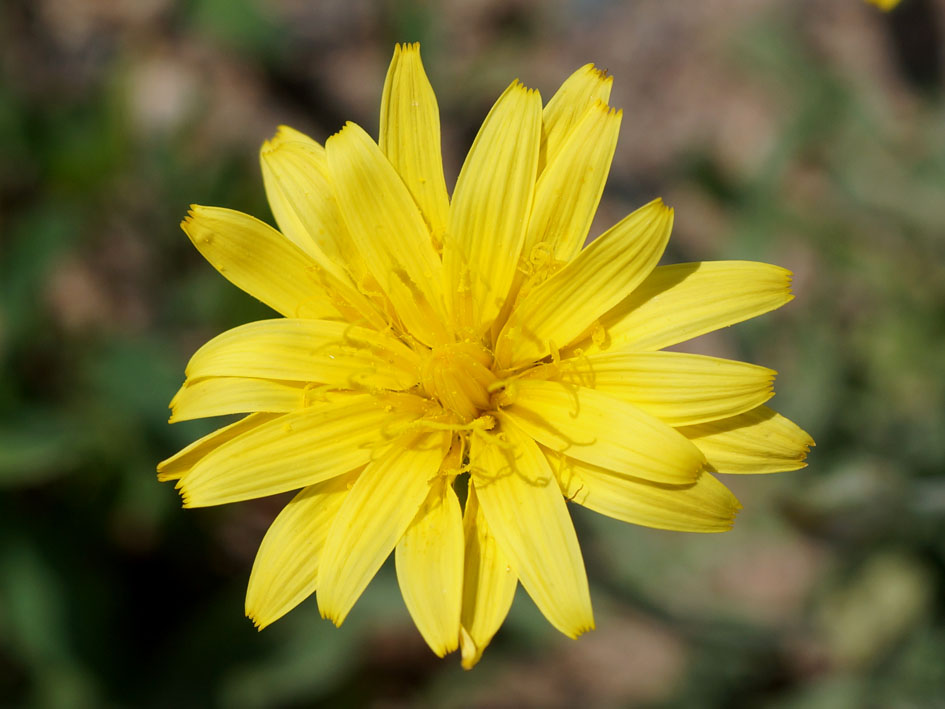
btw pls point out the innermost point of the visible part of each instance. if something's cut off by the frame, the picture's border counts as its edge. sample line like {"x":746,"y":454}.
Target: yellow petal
{"x":219,"y":396}
{"x":682,"y":301}
{"x":300,"y":192}
{"x":679,"y":389}
{"x":286,"y":134}
{"x":410,"y":135}
{"x":704,"y":506}
{"x":298,"y":449}
{"x":759,"y":441}
{"x":601,"y":430}
{"x":285,"y":572}
{"x":373,"y":518}
{"x":523,"y":505}
{"x":180,"y":463}
{"x":490,"y":208}
{"x":389,"y":231}
{"x":569,"y":189}
{"x":567,"y":304}
{"x":566,"y":198}
{"x":324,"y":351}
{"x":488,"y":583}
{"x":256,"y":258}
{"x":299,"y":189}
{"x":429,"y":562}
{"x":578,"y":92}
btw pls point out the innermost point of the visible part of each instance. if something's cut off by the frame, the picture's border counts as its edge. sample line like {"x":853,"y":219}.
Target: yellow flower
{"x":886,"y":5}
{"x":433,"y":348}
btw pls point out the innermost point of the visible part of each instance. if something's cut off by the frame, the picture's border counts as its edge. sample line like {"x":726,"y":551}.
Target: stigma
{"x":459,"y":375}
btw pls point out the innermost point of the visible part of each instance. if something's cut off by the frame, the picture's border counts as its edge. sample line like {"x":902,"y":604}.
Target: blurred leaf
{"x":33,"y":605}
{"x":237,"y":22}
{"x":34,"y":241}
{"x":134,"y":378}
{"x":835,"y":692}
{"x":30,"y":456}
{"x":875,"y":609}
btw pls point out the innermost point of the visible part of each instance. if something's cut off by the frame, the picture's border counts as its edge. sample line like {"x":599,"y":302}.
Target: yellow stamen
{"x":459,"y":376}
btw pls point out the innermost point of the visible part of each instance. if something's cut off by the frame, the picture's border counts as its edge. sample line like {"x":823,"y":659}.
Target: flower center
{"x":459,"y":376}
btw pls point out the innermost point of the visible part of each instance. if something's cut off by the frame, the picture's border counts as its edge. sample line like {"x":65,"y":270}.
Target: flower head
{"x":435,"y":348}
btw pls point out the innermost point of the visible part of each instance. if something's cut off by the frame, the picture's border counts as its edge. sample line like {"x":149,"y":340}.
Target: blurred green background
{"x":808,"y":133}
